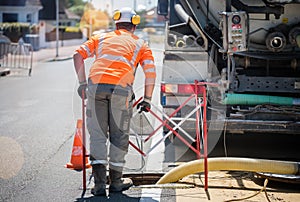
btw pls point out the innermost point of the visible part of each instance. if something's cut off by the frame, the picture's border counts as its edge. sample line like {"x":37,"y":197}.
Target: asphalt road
{"x":37,"y":123}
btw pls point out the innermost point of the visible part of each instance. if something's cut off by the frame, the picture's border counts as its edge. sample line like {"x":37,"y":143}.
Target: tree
{"x":94,"y":19}
{"x":76,"y":6}
{"x":78,"y":10}
{"x":71,"y":3}
{"x":142,"y":13}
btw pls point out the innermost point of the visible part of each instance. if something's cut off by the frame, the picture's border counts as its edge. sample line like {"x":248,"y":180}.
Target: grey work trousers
{"x":108,"y":122}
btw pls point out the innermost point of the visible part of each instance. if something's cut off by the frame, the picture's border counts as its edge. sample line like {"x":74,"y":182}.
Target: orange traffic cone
{"x":76,"y":158}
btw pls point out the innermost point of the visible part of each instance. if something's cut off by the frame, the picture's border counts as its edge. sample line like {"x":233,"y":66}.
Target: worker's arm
{"x":79,"y":67}
{"x":86,"y":50}
{"x":149,"y":87}
{"x":147,"y":63}
{"x":80,"y":71}
{"x":145,"y":104}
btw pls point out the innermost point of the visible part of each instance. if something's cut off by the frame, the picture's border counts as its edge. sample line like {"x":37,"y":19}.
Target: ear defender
{"x":135,"y":19}
{"x":126,"y":15}
{"x":117,"y":15}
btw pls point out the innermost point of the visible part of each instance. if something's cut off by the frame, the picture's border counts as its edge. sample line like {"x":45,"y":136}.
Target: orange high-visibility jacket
{"x":117,"y":55}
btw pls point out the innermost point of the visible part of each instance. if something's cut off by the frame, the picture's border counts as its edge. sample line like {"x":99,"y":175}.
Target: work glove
{"x":82,"y":87}
{"x":144,"y":106}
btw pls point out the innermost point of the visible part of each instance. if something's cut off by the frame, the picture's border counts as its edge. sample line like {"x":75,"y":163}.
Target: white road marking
{"x":154,"y":164}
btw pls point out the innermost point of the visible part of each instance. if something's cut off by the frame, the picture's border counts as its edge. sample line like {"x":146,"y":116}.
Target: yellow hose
{"x":233,"y":164}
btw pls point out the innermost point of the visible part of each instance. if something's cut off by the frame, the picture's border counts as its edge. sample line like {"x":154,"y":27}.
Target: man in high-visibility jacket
{"x":109,"y":94}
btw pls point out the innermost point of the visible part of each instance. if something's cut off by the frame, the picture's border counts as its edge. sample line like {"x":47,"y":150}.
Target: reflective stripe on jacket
{"x":117,"y":55}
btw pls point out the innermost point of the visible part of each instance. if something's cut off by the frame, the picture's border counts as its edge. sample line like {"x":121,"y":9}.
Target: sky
{"x":117,"y":4}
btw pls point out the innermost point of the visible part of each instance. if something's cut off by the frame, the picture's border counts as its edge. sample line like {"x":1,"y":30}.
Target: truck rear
{"x":250,"y":48}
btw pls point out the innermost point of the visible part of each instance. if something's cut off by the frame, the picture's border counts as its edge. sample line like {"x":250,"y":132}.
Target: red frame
{"x":199,"y":87}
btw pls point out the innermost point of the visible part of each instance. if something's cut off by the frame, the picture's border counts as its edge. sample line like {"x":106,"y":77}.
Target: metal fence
{"x":17,"y":56}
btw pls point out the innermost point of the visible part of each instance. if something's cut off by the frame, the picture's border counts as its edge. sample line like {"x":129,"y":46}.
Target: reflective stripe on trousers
{"x":108,"y":118}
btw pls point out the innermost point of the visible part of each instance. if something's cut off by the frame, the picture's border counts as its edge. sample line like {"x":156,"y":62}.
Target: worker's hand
{"x":82,"y":89}
{"x":144,"y":106}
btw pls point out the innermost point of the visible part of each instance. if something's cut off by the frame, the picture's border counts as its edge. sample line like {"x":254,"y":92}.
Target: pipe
{"x":182,"y":14}
{"x":188,"y":20}
{"x":200,"y":41}
{"x":233,"y":164}
{"x":228,"y":5}
{"x":189,"y":40}
{"x":251,"y":99}
{"x":276,"y":41}
{"x":180,"y":43}
{"x":172,"y":38}
{"x":294,"y":36}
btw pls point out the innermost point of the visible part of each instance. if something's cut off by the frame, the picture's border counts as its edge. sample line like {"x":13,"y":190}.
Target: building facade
{"x":26,"y":11}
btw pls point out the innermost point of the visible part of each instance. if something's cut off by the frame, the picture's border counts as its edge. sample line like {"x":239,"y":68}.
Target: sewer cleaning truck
{"x":249,"y":48}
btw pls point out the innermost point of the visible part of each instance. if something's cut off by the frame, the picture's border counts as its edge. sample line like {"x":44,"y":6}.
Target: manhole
{"x":294,"y":179}
{"x":144,"y":178}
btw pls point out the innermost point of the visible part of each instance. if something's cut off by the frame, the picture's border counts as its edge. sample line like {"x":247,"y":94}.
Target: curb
{"x":59,"y":59}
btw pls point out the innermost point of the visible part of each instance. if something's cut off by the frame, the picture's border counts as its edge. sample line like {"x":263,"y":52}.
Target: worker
{"x":109,"y":95}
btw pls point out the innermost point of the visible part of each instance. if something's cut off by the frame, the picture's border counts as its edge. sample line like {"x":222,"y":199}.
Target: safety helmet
{"x":126,"y":14}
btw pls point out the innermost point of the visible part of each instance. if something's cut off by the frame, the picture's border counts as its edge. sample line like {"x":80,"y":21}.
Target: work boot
{"x":117,"y":183}
{"x":99,"y":173}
